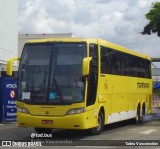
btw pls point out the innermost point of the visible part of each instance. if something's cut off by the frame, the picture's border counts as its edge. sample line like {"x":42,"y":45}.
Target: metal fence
{"x":156,"y":99}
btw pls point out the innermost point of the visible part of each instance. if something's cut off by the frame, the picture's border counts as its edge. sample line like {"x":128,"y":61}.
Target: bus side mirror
{"x":9,"y":66}
{"x":86,"y":66}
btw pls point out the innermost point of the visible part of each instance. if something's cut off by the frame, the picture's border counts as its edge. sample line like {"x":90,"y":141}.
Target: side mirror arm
{"x":9,"y":66}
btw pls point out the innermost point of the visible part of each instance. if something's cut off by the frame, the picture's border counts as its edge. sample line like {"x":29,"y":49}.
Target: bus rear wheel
{"x":43,"y":130}
{"x":137,"y":119}
{"x":100,"y":124}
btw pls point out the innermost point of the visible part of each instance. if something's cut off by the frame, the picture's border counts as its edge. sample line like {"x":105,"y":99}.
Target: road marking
{"x":148,"y":131}
{"x":95,"y":147}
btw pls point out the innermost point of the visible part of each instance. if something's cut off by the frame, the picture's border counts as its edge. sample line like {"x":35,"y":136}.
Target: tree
{"x":154,"y":20}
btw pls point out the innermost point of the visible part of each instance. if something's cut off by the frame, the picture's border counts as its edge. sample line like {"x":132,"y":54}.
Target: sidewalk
{"x":8,"y":126}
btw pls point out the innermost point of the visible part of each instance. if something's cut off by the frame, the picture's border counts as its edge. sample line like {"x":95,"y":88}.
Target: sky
{"x":118,"y":21}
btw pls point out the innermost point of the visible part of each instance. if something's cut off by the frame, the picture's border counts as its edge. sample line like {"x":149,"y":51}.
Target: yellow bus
{"x":84,"y":84}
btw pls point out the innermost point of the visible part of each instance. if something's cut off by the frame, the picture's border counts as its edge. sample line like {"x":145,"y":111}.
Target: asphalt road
{"x":119,"y":133}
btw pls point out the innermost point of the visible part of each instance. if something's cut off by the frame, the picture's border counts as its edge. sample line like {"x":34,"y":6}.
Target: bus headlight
{"x":22,"y":110}
{"x":76,"y":111}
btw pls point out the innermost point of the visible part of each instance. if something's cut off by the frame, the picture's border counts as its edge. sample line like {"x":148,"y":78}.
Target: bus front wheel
{"x":43,"y":130}
{"x":100,"y":124}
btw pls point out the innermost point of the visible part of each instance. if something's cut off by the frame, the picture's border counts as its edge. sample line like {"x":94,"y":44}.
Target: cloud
{"x":119,"y":21}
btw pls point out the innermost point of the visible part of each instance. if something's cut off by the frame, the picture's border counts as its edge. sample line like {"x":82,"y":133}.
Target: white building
{"x":8,"y":31}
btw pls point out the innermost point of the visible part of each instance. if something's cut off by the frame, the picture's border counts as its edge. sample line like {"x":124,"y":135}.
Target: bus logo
{"x":47,"y":113}
{"x":6,"y":143}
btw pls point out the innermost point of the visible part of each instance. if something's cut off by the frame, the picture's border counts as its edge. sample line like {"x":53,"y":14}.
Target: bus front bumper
{"x":77,"y":121}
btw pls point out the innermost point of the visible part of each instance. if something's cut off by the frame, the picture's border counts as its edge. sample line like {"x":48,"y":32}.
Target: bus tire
{"x":137,"y":119}
{"x":143,"y":111}
{"x":100,"y":125}
{"x":43,"y":130}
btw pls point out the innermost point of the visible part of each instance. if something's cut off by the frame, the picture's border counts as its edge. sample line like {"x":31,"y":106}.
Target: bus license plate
{"x":47,"y":122}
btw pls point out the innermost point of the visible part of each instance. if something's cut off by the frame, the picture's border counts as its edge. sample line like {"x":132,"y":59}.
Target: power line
{"x":5,"y":50}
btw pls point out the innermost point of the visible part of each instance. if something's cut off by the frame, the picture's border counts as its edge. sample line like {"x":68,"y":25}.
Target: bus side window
{"x":106,"y":60}
{"x":116,"y":64}
{"x":120,"y":63}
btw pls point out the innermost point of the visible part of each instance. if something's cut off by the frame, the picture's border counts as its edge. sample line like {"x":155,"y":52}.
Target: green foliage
{"x":154,"y":20}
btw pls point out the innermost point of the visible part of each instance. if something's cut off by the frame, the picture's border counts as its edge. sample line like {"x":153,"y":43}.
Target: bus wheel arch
{"x":100,"y":123}
{"x":103,"y":113}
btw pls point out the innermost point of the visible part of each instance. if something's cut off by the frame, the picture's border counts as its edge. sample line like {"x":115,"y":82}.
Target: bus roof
{"x":92,"y":40}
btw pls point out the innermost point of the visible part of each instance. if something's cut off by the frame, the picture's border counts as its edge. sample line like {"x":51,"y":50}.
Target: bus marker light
{"x":76,"y":125}
{"x":47,"y":122}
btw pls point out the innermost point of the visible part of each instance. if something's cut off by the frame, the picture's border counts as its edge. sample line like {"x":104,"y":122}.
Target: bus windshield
{"x":51,"y":73}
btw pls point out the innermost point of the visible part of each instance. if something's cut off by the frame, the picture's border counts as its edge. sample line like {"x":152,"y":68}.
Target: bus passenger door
{"x":93,"y":75}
